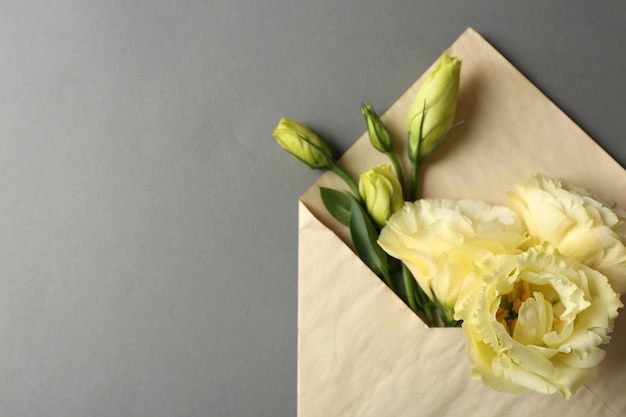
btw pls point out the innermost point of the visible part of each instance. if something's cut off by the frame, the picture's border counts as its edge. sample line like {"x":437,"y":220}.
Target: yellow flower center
{"x":527,"y":314}
{"x":508,"y":311}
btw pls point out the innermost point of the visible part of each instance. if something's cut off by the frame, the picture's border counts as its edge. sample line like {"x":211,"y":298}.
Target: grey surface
{"x":148,"y":221}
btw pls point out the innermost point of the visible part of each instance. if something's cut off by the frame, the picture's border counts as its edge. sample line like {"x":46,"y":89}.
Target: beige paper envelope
{"x":361,"y":351}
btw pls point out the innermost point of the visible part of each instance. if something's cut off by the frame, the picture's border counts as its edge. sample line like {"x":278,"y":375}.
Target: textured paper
{"x":361,"y":351}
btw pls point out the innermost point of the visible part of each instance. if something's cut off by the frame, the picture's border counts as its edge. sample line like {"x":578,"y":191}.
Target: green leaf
{"x":337,"y":203}
{"x":364,"y":236}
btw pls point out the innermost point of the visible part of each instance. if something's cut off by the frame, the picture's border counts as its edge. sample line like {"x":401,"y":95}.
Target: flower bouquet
{"x":524,"y":277}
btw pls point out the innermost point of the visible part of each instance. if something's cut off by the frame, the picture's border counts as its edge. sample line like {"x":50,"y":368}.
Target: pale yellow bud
{"x":434,"y":108}
{"x":382,"y":193}
{"x":303,"y":143}
{"x":376,"y":129}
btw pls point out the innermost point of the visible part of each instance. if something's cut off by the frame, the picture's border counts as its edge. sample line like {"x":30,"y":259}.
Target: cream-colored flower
{"x":579,"y":225}
{"x":440,"y":239}
{"x":535,"y":321}
{"x":382,"y":193}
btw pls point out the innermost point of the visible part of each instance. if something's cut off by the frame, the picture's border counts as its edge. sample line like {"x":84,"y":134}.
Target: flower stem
{"x":389,"y":281}
{"x":348,"y":180}
{"x":409,"y":286}
{"x":415,"y":165}
{"x":426,"y":305}
{"x":415,"y":168}
{"x":400,"y":174}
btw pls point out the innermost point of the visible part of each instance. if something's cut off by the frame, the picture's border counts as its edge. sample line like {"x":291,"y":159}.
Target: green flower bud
{"x":378,"y":133}
{"x":303,"y":143}
{"x":382,"y":193}
{"x":434,"y":108}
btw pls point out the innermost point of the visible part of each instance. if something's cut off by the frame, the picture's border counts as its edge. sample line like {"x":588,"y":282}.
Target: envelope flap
{"x":510,"y":130}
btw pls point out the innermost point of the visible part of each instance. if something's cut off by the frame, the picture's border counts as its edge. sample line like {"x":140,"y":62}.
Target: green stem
{"x":425,"y":304}
{"x":396,"y":165}
{"x":388,"y":281}
{"x":448,"y":321}
{"x":415,"y":168}
{"x":409,"y":286}
{"x":414,"y":157}
{"x":348,"y":180}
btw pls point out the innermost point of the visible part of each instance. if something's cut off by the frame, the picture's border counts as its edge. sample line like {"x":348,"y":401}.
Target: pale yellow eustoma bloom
{"x":578,"y":224}
{"x":440,"y":239}
{"x":536,"y":321}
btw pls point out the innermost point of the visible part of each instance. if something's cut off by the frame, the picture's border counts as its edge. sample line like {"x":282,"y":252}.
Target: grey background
{"x":148,"y":220}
